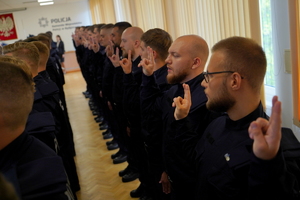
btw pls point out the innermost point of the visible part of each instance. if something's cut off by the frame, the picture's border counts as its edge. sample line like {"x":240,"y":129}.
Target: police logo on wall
{"x":43,"y":22}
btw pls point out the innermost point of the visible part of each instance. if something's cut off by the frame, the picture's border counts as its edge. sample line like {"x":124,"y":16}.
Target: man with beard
{"x":132,"y":77}
{"x":115,"y":101}
{"x":130,"y":43}
{"x":186,"y":60}
{"x":240,"y":155}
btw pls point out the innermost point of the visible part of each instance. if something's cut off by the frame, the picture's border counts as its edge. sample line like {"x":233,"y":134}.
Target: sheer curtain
{"x":102,"y":11}
{"x":294,"y":14}
{"x":211,"y":19}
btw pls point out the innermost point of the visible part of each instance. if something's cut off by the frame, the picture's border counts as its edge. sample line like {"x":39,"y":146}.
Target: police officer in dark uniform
{"x":116,"y":98}
{"x":155,"y":42}
{"x":241,"y":154}
{"x":24,"y":160}
{"x":186,"y":61}
{"x":47,"y":100}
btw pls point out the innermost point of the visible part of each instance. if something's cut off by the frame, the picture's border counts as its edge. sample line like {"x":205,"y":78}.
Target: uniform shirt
{"x":131,"y":99}
{"x":34,"y":169}
{"x":154,"y":134}
{"x":107,"y":79}
{"x":158,"y":106}
{"x":227,"y":167}
{"x":42,"y":126}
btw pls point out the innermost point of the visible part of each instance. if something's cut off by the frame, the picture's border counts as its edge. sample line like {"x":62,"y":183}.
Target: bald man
{"x":186,"y":61}
{"x":130,"y":44}
{"x":243,"y":153}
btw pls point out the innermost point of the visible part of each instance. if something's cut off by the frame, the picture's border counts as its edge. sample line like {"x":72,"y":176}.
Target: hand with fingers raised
{"x":95,"y":45}
{"x":115,"y":58}
{"x":182,"y":105}
{"x":109,"y":49}
{"x":267,"y":134}
{"x":148,"y":63}
{"x":166,"y":185}
{"x":126,"y":63}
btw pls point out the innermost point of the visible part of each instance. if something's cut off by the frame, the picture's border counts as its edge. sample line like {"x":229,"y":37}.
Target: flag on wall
{"x":7,"y":27}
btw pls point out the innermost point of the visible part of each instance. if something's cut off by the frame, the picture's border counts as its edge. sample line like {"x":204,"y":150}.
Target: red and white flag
{"x":7,"y":27}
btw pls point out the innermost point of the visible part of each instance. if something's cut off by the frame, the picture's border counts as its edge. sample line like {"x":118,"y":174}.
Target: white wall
{"x":281,"y":41}
{"x":60,"y":19}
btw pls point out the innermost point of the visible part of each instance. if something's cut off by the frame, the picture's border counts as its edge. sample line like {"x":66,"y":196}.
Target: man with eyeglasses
{"x":186,"y":60}
{"x":239,"y":155}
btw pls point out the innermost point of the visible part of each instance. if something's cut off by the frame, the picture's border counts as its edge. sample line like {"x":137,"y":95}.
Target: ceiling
{"x":15,"y":4}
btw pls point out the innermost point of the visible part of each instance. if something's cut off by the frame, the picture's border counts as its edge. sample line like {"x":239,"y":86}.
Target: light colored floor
{"x":98,"y":176}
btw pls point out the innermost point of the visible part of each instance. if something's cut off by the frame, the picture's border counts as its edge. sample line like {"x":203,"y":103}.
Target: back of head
{"x":159,"y":40}
{"x":245,"y":56}
{"x":16,"y":61}
{"x":44,"y":52}
{"x":50,"y":34}
{"x":45,"y":39}
{"x":25,"y":51}
{"x":122,"y":26}
{"x":16,"y":95}
{"x":30,"y":39}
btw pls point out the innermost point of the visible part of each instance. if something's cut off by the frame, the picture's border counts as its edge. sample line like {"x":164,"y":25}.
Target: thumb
{"x":256,"y":133}
{"x":176,"y":102}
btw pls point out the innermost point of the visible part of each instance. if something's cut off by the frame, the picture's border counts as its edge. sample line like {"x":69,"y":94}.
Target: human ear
{"x":236,"y":81}
{"x":196,"y":63}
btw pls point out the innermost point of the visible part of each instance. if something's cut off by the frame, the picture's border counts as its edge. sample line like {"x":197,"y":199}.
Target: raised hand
{"x":115,"y":58}
{"x":85,"y":42}
{"x":109,"y":49}
{"x":95,"y":45}
{"x":182,"y":105}
{"x":148,"y":64}
{"x":267,"y":134}
{"x":77,"y":40}
{"x":126,"y":64}
{"x":166,"y":186}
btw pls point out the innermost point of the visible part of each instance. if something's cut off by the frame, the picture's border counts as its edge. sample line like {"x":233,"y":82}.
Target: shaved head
{"x":196,"y":46}
{"x":135,"y":33}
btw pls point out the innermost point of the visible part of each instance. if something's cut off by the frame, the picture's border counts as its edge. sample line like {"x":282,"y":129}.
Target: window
{"x":266,"y":35}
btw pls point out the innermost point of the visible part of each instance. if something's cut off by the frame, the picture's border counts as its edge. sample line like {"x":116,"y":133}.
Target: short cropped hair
{"x":44,"y":51}
{"x":16,"y":95}
{"x":159,"y":40}
{"x":98,"y":26}
{"x":107,"y":26}
{"x":25,"y":51}
{"x":16,"y":61}
{"x":245,"y":56}
{"x":122,"y":26}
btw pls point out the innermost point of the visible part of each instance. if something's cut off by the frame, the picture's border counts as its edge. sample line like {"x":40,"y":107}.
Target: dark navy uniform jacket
{"x":158,"y":106}
{"x":154,"y":134}
{"x":47,"y":100}
{"x":34,"y":169}
{"x":107,"y":79}
{"x":42,"y":126}
{"x":131,"y":100}
{"x":227,"y":167}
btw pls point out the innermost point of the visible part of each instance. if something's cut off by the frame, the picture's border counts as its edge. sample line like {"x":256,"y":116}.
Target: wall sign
{"x":58,"y":24}
{"x":7,"y":27}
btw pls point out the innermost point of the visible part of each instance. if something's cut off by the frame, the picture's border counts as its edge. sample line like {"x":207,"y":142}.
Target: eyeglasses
{"x":206,"y":74}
